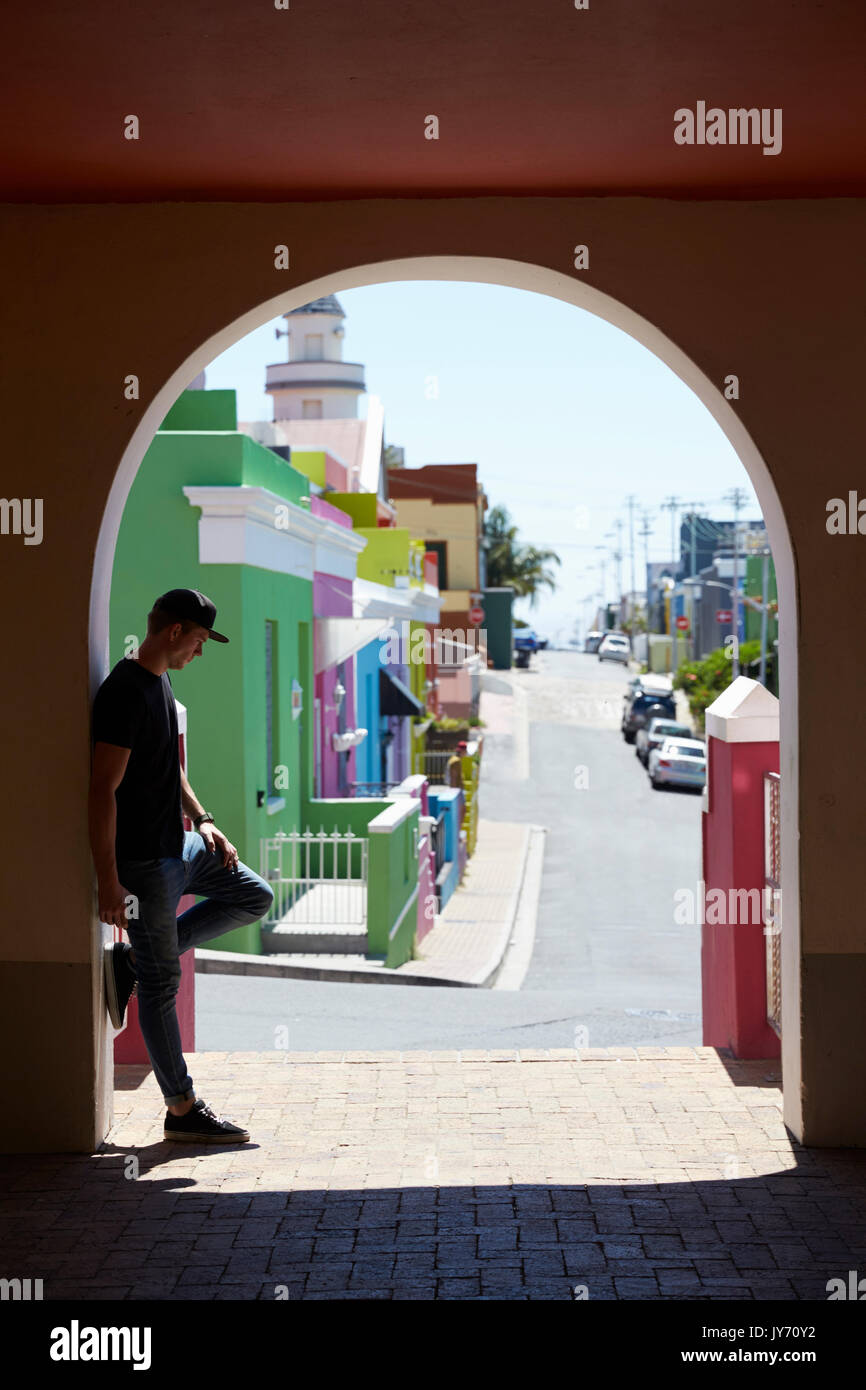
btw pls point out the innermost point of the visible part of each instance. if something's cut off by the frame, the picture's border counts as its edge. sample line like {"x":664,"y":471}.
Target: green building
{"x":753,"y":588}
{"x":212,"y":509}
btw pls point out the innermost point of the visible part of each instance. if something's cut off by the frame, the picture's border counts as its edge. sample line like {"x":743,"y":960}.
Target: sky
{"x":564,"y":415}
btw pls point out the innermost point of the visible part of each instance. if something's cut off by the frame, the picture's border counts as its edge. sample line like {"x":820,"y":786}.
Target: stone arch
{"x":538,"y":279}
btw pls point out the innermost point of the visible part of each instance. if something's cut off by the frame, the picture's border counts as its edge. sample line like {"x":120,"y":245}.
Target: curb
{"x":517,"y":956}
{"x":239,"y":963}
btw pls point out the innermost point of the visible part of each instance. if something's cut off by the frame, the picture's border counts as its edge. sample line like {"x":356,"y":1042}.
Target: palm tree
{"x":523,"y":568}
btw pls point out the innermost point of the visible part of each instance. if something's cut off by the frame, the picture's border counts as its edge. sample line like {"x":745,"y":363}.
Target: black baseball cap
{"x":191,"y":604}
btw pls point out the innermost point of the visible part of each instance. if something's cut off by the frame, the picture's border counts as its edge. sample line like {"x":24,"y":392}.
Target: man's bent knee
{"x":262,"y":903}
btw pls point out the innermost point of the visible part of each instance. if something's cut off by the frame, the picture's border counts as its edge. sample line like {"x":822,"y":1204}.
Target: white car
{"x":653,"y":735}
{"x":614,"y":648}
{"x":679,"y":762}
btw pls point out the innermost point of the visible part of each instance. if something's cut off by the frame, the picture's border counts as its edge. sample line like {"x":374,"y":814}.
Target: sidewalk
{"x":648,"y":1173}
{"x":465,"y":946}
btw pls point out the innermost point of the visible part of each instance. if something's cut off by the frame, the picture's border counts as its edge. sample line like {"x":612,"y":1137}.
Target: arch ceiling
{"x":239,"y":101}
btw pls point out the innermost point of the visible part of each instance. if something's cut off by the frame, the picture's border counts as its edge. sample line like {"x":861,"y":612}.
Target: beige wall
{"x":773,"y":292}
{"x":454,"y":522}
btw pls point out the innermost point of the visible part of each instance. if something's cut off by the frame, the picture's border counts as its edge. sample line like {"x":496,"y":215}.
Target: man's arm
{"x":192,"y":807}
{"x":107,"y":771}
{"x":214,"y":839}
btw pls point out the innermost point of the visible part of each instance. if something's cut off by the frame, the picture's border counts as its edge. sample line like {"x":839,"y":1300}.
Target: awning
{"x":339,"y":638}
{"x":395,"y":697}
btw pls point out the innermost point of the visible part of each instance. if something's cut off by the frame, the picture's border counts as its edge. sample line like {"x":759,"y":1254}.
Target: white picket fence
{"x":318,"y":878}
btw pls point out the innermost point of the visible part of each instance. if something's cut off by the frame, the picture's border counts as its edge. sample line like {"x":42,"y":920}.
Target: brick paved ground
{"x":661,"y":1173}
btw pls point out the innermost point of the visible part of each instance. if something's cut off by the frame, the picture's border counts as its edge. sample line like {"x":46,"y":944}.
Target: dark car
{"x":643,"y":707}
{"x":525,"y":643}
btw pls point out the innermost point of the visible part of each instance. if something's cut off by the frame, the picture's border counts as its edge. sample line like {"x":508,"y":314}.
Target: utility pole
{"x":693,"y":518}
{"x":670,"y":504}
{"x":737,"y":498}
{"x":765,"y":599}
{"x":602,"y":563}
{"x":630,"y":502}
{"x":617,"y":555}
{"x":646,"y":528}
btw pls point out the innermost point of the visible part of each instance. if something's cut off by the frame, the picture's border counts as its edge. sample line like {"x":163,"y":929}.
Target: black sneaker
{"x":120,"y":980}
{"x":201,"y":1126}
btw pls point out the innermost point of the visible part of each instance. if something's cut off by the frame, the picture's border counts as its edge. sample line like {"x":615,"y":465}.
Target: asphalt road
{"x":610,"y":963}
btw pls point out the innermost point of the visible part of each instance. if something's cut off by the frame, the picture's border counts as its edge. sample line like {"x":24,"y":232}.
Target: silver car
{"x":654,"y":735}
{"x":679,"y":762}
{"x":614,"y":648}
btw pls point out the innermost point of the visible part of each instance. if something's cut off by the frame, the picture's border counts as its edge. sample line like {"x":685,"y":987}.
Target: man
{"x":138,"y":795}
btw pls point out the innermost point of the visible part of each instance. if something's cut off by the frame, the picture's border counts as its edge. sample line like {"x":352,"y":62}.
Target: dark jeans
{"x":159,"y":938}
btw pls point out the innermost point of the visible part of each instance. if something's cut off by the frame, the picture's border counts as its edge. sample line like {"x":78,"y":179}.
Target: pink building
{"x":336,"y":734}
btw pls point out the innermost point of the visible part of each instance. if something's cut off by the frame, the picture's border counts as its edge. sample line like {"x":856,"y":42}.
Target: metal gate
{"x":773,"y":899}
{"x":318,"y":879}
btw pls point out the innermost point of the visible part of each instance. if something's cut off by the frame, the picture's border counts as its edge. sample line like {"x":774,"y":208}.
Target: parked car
{"x":525,"y":643}
{"x":643,"y":707}
{"x":653,"y":736}
{"x":648,"y":680}
{"x":592,"y":641}
{"x":614,"y":648}
{"x":661,"y":684}
{"x":679,"y":762}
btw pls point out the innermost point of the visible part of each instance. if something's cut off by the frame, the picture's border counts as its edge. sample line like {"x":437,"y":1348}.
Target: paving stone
{"x":554,"y":1171}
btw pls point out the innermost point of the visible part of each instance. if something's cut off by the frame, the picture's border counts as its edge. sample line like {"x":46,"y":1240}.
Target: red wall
{"x":733,"y":967}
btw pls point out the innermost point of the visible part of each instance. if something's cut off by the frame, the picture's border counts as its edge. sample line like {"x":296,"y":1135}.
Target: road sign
{"x":682,"y":624}
{"x":723,"y":615}
{"x":476,"y":615}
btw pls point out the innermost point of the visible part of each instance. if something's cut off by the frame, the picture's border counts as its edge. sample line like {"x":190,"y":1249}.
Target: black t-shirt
{"x":135,"y":709}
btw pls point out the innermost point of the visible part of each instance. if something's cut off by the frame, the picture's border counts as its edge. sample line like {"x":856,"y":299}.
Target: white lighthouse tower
{"x":315,"y":383}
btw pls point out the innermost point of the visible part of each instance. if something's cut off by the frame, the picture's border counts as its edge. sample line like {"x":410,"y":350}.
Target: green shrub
{"x":703,"y":681}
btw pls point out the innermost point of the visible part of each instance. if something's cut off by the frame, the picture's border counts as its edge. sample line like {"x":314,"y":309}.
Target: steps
{"x":327,"y":940}
{"x":329,"y":920}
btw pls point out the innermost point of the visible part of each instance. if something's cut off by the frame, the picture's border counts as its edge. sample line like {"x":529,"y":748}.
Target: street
{"x":609,"y":966}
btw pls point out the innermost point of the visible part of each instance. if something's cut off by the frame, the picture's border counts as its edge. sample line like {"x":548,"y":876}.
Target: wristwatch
{"x":200,"y":820}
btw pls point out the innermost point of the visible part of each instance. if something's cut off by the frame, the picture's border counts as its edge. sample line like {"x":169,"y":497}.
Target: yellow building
{"x":443,"y":504}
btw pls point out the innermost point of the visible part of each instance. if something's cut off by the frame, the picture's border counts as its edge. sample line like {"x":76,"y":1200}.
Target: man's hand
{"x":112,"y":902}
{"x":215,"y":841}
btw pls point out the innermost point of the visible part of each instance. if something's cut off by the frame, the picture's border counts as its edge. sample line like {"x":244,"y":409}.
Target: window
{"x":313,"y":347}
{"x":272,"y":751}
{"x":311,"y":410}
{"x":441,"y":550}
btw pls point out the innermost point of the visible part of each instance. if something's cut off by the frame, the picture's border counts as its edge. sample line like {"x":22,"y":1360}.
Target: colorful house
{"x":396,"y":584}
{"x":443,"y":504}
{"x":212,"y":509}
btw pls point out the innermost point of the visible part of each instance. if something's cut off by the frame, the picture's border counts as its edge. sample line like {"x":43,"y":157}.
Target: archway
{"x":540,"y":280}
